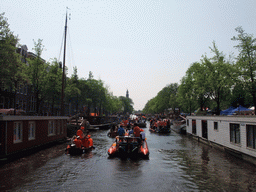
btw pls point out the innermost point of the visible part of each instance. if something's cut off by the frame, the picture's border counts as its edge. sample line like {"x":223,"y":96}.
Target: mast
{"x":63,"y":73}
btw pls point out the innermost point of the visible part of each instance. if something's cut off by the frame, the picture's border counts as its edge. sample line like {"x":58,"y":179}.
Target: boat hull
{"x":131,"y":147}
{"x":161,"y":130}
{"x":142,"y":125}
{"x":73,"y":150}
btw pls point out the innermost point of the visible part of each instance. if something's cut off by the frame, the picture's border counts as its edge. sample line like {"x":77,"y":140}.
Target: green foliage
{"x":37,"y":71}
{"x":186,"y":96}
{"x":246,"y":62}
{"x":165,"y":99}
{"x":126,"y":104}
{"x":91,"y":93}
{"x":13,"y":71}
{"x":53,"y":83}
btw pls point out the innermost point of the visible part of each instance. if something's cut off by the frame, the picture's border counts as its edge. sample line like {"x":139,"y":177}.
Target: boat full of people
{"x":80,"y":143}
{"x":129,"y":143}
{"x":160,"y":125}
{"x":129,"y":146}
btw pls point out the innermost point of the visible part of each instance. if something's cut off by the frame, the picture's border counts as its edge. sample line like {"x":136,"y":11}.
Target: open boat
{"x":163,"y":129}
{"x":128,"y":146}
{"x":73,"y":150}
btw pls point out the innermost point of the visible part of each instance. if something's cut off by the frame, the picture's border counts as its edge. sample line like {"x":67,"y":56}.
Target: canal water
{"x":176,"y":163}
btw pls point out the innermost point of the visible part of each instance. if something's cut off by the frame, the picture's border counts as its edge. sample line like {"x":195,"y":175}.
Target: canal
{"x":176,"y":163}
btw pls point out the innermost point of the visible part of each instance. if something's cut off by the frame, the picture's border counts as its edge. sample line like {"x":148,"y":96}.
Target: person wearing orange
{"x":80,"y":132}
{"x":137,"y":130}
{"x":83,"y":137}
{"x":78,"y":142}
{"x":125,"y":122}
{"x":85,"y":140}
{"x":90,"y":141}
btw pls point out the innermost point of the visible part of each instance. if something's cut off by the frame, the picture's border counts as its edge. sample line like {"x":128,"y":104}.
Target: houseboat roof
{"x":30,"y":118}
{"x":240,"y":118}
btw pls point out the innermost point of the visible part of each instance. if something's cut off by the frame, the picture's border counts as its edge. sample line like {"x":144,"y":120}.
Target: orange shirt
{"x":80,"y":133}
{"x":90,"y":141}
{"x":136,"y":131}
{"x":85,"y":142}
{"x":78,"y":143}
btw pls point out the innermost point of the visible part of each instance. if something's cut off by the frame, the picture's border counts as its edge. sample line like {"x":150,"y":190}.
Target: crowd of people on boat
{"x":127,"y":127}
{"x":82,"y":139}
{"x":157,"y":124}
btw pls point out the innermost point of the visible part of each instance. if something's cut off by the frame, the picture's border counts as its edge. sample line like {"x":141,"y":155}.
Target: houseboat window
{"x":2,"y":102}
{"x":234,"y":133}
{"x":188,"y":122}
{"x":216,"y":126}
{"x":31,"y":130}
{"x":58,"y":127}
{"x":194,"y":126}
{"x":204,"y":129}
{"x":251,"y":135}
{"x":61,"y":126}
{"x":17,"y":132}
{"x":51,"y":128}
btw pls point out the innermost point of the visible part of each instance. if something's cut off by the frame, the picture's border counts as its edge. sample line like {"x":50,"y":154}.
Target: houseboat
{"x":234,"y":134}
{"x":20,"y":134}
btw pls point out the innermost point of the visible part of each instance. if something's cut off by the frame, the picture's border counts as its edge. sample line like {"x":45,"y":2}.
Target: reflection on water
{"x":176,"y":163}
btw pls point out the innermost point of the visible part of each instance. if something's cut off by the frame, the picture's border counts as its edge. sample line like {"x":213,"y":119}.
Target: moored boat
{"x":128,"y":146}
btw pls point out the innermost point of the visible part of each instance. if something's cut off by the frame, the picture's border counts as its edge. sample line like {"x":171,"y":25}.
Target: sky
{"x":135,"y":45}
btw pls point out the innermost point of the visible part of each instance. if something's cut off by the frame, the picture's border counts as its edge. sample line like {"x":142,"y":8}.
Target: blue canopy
{"x":240,"y":108}
{"x":231,"y":110}
{"x":228,"y":111}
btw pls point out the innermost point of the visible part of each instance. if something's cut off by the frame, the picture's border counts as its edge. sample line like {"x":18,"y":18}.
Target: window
{"x":204,"y":129}
{"x":31,"y":130}
{"x":194,"y":126}
{"x":1,"y":102}
{"x":51,"y":128}
{"x":216,"y":126}
{"x":17,"y":132}
{"x":32,"y":104}
{"x":58,"y":127}
{"x":234,"y":133}
{"x":188,"y":122}
{"x":26,"y":89}
{"x":251,"y":136}
{"x":61,"y":126}
{"x":8,"y":102}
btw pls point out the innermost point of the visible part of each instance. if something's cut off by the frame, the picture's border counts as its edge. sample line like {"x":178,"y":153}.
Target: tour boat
{"x":128,"y":146}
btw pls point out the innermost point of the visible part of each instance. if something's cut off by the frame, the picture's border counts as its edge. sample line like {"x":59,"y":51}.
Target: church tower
{"x":127,"y":94}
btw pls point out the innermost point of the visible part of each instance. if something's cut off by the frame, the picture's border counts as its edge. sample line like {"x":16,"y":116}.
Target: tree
{"x":196,"y":76}
{"x":219,"y":77}
{"x":165,"y":99}
{"x":37,"y":72}
{"x":52,"y":90}
{"x":73,"y":90}
{"x":186,"y":96}
{"x":127,"y":104}
{"x":246,"y":61}
{"x":13,"y":71}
